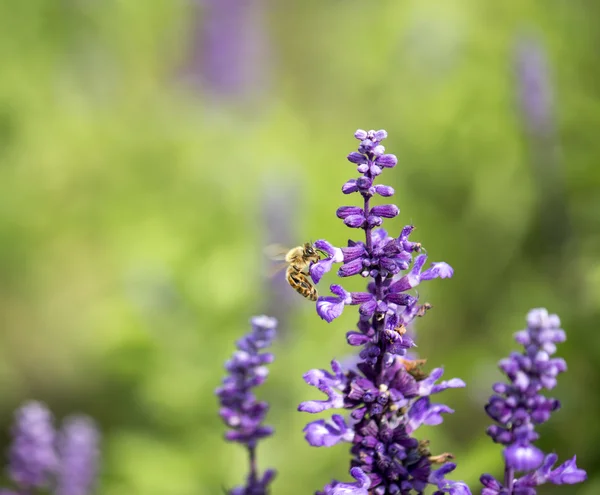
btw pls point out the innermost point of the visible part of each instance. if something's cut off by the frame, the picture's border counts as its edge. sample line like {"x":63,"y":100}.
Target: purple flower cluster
{"x":78,"y":450}
{"x":39,"y":458}
{"x":33,"y":458}
{"x":535,"y":91}
{"x":240,"y":410}
{"x":389,"y":396}
{"x":518,"y":406}
{"x":385,"y":391}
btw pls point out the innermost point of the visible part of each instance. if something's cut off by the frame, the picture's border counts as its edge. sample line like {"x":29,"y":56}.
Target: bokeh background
{"x":149,"y":150}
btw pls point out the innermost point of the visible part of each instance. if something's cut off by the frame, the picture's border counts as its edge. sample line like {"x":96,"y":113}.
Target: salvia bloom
{"x":518,"y":406}
{"x":32,"y":458}
{"x":240,"y":410}
{"x":535,"y":91}
{"x":63,"y":463}
{"x":388,"y":396}
{"x":78,"y":449}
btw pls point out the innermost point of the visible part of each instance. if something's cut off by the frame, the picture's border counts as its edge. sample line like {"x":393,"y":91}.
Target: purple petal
{"x":567,"y":473}
{"x":438,"y":270}
{"x":361,"y":297}
{"x":384,"y":191}
{"x":326,"y":247}
{"x":379,"y":135}
{"x":405,"y":283}
{"x":360,"y":487}
{"x":320,"y":268}
{"x":329,"y":308}
{"x":356,"y":157}
{"x":346,"y":211}
{"x":352,"y":268}
{"x":360,"y":134}
{"x":322,"y":434}
{"x":368,"y":308}
{"x":523,"y":457}
{"x":429,"y":387}
{"x":387,"y":161}
{"x":351,"y":253}
{"x":350,"y":187}
{"x":334,"y":401}
{"x":438,"y":476}
{"x":378,"y":150}
{"x":386,"y":211}
{"x":338,"y":290}
{"x":375,"y":170}
{"x":357,"y":338}
{"x":423,"y":412}
{"x":491,"y":483}
{"x":316,"y":376}
{"x":354,"y":221}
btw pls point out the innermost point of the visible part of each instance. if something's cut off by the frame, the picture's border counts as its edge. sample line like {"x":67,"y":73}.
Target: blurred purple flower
{"x":229,"y":51}
{"x":78,"y":450}
{"x":33,"y":459}
{"x":240,"y":410}
{"x":518,"y":406}
{"x":535,"y":91}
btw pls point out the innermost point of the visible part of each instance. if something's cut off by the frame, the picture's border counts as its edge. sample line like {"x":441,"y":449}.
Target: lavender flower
{"x":230,"y":47}
{"x":518,"y":406}
{"x":78,"y":453}
{"x":240,"y":410}
{"x":535,"y":92}
{"x":33,"y":458}
{"x":389,"y":396}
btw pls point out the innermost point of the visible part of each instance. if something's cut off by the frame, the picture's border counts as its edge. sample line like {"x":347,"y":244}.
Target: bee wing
{"x":276,"y":268}
{"x":276,"y":252}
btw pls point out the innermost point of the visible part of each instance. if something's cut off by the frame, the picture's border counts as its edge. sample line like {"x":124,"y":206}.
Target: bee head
{"x":309,"y":250}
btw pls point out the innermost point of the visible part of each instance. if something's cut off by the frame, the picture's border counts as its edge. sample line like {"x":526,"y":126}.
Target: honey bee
{"x":298,"y":261}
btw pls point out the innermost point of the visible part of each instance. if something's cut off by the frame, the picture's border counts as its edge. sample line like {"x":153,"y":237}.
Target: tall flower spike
{"x":387,"y":395}
{"x":518,"y":406}
{"x":79,"y":455}
{"x":33,"y":460}
{"x":240,"y":410}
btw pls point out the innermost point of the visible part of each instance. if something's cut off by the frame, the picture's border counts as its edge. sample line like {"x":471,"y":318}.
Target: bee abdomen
{"x":301,"y":284}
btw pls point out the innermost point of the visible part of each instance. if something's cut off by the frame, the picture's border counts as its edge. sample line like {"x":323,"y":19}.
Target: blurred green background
{"x":144,"y":146}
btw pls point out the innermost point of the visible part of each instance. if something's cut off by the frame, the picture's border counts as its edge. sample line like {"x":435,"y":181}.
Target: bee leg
{"x":299,"y":281}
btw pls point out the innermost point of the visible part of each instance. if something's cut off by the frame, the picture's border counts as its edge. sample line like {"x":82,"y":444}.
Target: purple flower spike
{"x":240,"y":410}
{"x":79,"y":454}
{"x":33,"y":459}
{"x":387,"y":395}
{"x":518,"y":406}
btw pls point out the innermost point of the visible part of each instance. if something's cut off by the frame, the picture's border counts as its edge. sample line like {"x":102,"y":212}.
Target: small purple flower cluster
{"x":66,"y":463}
{"x":388,"y":396}
{"x":240,"y":410}
{"x":518,"y":406}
